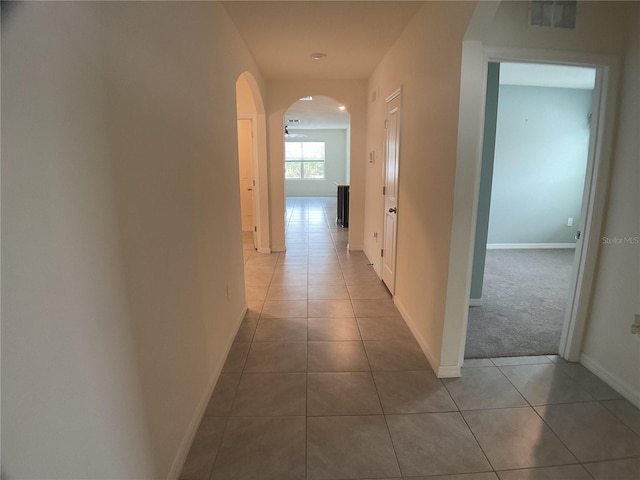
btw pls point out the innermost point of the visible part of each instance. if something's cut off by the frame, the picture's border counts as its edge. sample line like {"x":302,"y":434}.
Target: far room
{"x":317,"y":162}
{"x":530,"y":211}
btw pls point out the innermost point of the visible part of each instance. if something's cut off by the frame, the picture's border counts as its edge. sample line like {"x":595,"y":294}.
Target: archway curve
{"x":293,"y":99}
{"x":250,"y":104}
{"x":351,"y":94}
{"x":251,"y":82}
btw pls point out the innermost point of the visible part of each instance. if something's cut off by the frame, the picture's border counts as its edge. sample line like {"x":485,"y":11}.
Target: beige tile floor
{"x":325,"y":381}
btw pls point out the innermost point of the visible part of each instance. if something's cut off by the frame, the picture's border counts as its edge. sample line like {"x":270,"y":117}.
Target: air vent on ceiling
{"x":293,"y":120}
{"x":554,"y":14}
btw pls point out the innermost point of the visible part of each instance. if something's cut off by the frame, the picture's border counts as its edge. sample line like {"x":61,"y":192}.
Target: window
{"x":304,"y":160}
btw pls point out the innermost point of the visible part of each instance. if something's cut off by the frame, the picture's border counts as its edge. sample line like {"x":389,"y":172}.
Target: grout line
{"x":215,"y":460}
{"x":477,"y":441}
{"x":304,"y":213}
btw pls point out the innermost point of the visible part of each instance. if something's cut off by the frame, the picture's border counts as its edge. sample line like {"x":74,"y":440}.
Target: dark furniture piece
{"x":343,"y":205}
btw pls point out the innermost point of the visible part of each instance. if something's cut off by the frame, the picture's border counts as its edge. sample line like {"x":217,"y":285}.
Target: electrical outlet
{"x":570,"y":222}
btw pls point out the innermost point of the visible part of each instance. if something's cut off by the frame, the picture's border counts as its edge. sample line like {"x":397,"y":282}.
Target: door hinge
{"x":382,"y":252}
{"x":254,"y":183}
{"x":255,"y":229}
{"x":384,"y":190}
{"x":386,"y":124}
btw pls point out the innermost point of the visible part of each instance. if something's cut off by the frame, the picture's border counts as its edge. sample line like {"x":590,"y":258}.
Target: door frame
{"x":586,"y":208}
{"x":473,"y":99}
{"x":256,"y":111}
{"x":396,"y":93}
{"x":255,"y":179}
{"x":593,"y":199}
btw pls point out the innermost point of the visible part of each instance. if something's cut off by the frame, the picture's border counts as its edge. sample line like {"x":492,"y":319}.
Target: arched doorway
{"x":252,"y":161}
{"x":317,"y":151}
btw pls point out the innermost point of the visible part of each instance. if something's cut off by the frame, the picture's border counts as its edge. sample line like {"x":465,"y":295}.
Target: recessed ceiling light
{"x":318,"y":56}
{"x":306,"y":99}
{"x":342,"y":107}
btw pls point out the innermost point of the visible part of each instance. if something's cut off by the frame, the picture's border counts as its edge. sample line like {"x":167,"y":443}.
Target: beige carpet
{"x":524,"y":301}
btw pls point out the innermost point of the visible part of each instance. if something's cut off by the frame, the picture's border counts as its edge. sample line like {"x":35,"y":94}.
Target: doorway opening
{"x":316,"y":164}
{"x":245,"y":168}
{"x":252,"y":164}
{"x":532,"y":207}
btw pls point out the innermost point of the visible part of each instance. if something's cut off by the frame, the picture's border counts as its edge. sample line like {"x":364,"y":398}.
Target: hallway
{"x":325,"y":381}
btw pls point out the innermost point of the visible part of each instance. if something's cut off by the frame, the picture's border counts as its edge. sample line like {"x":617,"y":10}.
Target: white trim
{"x":523,"y":246}
{"x":355,"y":248}
{"x":393,"y":95}
{"x":189,"y":436}
{"x":593,"y":207}
{"x":532,"y":55}
{"x":611,"y":379}
{"x":255,"y":169}
{"x":396,"y":94}
{"x":471,"y":113}
{"x":264,"y":250}
{"x":446,"y":371}
{"x":449,"y":371}
{"x":475,"y":302}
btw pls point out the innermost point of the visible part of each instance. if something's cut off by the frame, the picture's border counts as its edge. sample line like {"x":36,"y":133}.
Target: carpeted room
{"x":537,"y":130}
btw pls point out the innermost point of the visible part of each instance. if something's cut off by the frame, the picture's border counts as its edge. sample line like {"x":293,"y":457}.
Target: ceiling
{"x":319,"y":112}
{"x":354,"y":35}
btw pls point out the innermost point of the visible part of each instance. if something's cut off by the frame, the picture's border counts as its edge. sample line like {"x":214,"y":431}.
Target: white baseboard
{"x":513,"y":246}
{"x":441,"y":371}
{"x":475,"y":302}
{"x":278,"y":249}
{"x":264,"y":250}
{"x":355,"y":248}
{"x":185,"y":445}
{"x":611,"y":379}
{"x":449,"y":371}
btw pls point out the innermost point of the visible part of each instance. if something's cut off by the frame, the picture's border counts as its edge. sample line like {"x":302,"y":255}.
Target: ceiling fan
{"x":292,"y":135}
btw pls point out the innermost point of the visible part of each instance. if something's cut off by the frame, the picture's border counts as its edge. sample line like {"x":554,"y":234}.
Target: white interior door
{"x":392,"y":158}
{"x":587,"y":235}
{"x":245,"y":159}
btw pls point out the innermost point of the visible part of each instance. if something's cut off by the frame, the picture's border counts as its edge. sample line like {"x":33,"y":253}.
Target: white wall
{"x":541,"y":149}
{"x":608,"y":343}
{"x":334,"y":166}
{"x":116,"y":159}
{"x":72,"y":405}
{"x":353,"y":95}
{"x":425,"y":61}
